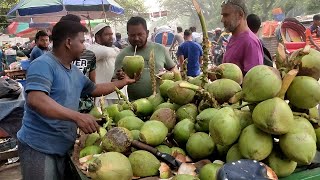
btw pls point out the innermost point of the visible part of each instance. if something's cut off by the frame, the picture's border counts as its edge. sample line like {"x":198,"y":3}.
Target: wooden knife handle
{"x":144,"y":146}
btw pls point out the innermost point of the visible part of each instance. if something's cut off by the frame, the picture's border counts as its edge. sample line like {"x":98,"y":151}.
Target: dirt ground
{"x":10,"y":172}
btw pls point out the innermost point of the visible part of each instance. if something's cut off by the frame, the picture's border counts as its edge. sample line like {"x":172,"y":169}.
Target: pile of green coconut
{"x":269,"y":115}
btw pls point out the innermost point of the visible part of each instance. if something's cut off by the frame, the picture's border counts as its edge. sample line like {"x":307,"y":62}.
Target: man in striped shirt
{"x":313,"y":33}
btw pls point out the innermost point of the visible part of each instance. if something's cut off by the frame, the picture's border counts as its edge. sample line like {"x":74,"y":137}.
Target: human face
{"x":75,"y":45}
{"x":43,"y":42}
{"x":137,"y":36}
{"x":106,"y":38}
{"x":231,"y":19}
{"x":316,"y":22}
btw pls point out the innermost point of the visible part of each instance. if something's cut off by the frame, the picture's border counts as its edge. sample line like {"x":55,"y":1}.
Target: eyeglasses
{"x":230,"y":1}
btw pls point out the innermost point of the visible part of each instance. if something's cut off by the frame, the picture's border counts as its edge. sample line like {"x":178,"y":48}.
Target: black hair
{"x":187,"y":32}
{"x":316,"y":17}
{"x":118,"y":36}
{"x":71,"y":17}
{"x":179,"y":29}
{"x":66,"y":29}
{"x":99,"y":33}
{"x":133,"y":21}
{"x":193,"y":29}
{"x":39,"y":34}
{"x":254,"y":22}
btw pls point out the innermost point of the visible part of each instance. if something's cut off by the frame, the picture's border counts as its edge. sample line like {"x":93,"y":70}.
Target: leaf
{"x":287,"y":80}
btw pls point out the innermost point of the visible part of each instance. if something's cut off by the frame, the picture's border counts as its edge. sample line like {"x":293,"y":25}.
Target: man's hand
{"x":129,"y":80}
{"x":87,"y":123}
{"x":120,"y":74}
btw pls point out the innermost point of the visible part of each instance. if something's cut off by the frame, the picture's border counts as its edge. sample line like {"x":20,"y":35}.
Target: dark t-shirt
{"x":192,"y":51}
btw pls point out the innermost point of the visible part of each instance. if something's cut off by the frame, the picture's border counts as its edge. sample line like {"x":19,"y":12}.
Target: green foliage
{"x":4,"y":8}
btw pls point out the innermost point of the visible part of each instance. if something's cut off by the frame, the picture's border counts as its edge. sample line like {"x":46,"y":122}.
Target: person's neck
{"x":243,"y":27}
{"x":63,"y":57}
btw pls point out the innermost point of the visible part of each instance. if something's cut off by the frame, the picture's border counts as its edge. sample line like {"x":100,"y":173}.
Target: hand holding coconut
{"x":86,"y":122}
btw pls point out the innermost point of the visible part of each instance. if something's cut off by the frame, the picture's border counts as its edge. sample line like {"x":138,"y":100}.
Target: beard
{"x":232,"y":25}
{"x":139,"y":44}
{"x":42,"y":48}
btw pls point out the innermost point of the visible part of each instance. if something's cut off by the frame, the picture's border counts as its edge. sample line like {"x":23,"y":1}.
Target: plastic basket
{"x":8,"y":144}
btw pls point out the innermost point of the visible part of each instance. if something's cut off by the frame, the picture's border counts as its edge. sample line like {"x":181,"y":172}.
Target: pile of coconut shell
{"x":190,"y":128}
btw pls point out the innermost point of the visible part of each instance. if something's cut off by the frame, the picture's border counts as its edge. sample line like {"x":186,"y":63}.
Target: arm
{"x":313,"y":43}
{"x":173,"y":43}
{"x":107,"y":88}
{"x":44,"y":105}
{"x":181,"y":60}
{"x":92,"y":76}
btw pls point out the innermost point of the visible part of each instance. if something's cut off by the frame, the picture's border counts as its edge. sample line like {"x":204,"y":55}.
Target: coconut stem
{"x":304,"y":115}
{"x":105,"y":115}
{"x":244,"y":105}
{"x":184,"y":69}
{"x":124,"y":98}
{"x":205,"y":43}
{"x":206,"y":95}
{"x":152,"y":67}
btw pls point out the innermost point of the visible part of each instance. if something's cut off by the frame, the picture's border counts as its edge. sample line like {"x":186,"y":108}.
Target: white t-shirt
{"x":105,"y":64}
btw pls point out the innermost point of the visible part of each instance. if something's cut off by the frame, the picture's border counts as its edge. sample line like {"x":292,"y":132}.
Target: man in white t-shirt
{"x":106,"y":55}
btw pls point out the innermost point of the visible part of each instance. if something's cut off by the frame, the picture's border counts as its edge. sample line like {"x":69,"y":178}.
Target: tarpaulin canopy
{"x":53,"y":10}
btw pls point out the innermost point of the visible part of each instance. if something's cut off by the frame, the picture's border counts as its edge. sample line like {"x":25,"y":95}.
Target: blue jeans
{"x":40,"y":166}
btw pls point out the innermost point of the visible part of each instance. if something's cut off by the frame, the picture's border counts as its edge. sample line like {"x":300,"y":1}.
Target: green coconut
{"x":95,"y":137}
{"x":90,"y":150}
{"x":153,"y":132}
{"x":169,"y":75}
{"x":96,"y":112}
{"x":118,"y":139}
{"x":110,"y":166}
{"x":167,"y":105}
{"x":261,"y":83}
{"x":165,"y":85}
{"x":223,"y":89}
{"x":255,"y":144}
{"x":273,"y":116}
{"x":164,"y":149}
{"x":209,"y":171}
{"x":177,"y":150}
{"x":182,"y":131}
{"x":304,"y":92}
{"x":234,"y":154}
{"x":301,"y":124}
{"x":131,"y":123}
{"x":314,"y":113}
{"x":310,"y":65}
{"x":179,"y":95}
{"x":317,"y":131}
{"x":299,"y":147}
{"x":245,"y":117}
{"x":230,"y":71}
{"x":156,"y":100}
{"x":280,"y":164}
{"x":143,"y":107}
{"x":195,"y":80}
{"x":225,"y":126}
{"x":188,"y":111}
{"x":122,"y":114}
{"x":204,"y":118}
{"x":135,"y":134}
{"x":200,"y":145}
{"x":185,"y":177}
{"x":144,"y":164}
{"x":133,"y":65}
{"x":222,"y":150}
{"x":165,"y":115}
{"x":113,"y":110}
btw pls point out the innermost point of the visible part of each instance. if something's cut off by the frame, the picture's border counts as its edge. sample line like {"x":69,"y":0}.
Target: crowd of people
{"x":62,"y":74}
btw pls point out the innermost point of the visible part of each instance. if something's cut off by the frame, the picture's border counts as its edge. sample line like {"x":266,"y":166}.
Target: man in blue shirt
{"x":42,"y":43}
{"x":54,"y":86}
{"x":193,"y":52}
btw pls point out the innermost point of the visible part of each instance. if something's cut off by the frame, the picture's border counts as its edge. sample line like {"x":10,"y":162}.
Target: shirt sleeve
{"x":179,"y":52}
{"x":169,"y":64}
{"x":88,"y":87}
{"x":93,"y":63}
{"x":118,"y":64}
{"x":39,"y":77}
{"x":253,"y":56}
{"x":35,"y":54}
